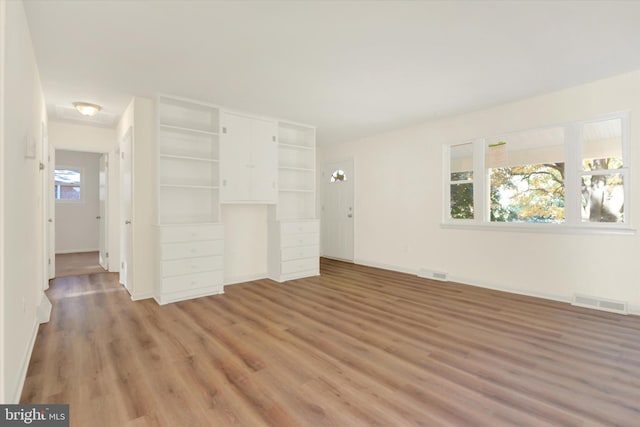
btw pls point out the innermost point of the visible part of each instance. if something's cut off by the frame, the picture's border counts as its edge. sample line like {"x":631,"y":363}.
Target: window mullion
{"x":573,"y":161}
{"x":480,"y":192}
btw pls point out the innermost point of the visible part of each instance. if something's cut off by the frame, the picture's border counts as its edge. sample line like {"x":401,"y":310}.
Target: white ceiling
{"x":351,"y":68}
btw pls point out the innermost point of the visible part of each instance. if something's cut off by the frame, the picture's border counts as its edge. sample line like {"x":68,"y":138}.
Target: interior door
{"x":51,"y":211}
{"x":126,"y":212}
{"x":103,"y":234}
{"x":337,"y":213}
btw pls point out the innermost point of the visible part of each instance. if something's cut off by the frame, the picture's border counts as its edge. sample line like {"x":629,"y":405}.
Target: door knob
{"x":127,"y":222}
{"x":50,"y":220}
{"x":98,"y":217}
{"x":349,"y":215}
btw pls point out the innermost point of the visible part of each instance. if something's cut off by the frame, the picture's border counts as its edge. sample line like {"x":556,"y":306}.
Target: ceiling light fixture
{"x":87,"y":109}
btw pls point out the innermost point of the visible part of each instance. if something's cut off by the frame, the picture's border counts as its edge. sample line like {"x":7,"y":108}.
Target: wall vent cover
{"x":435,"y":275}
{"x":600,"y":304}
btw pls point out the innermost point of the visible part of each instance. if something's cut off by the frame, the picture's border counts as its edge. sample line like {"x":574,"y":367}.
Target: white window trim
{"x":573,"y":223}
{"x":81,"y":200}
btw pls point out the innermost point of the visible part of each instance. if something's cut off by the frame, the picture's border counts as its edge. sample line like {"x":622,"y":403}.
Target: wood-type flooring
{"x":356,"y":346}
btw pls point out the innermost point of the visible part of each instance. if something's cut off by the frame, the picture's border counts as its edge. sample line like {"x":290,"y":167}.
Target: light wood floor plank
{"x":356,"y":346}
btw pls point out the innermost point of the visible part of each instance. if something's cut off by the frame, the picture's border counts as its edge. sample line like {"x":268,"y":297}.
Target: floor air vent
{"x":600,"y":304}
{"x":435,"y":275}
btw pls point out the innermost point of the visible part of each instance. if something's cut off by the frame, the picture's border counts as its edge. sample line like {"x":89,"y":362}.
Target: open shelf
{"x":188,"y":149}
{"x":177,"y":114}
{"x":198,"y":159}
{"x":188,"y":130}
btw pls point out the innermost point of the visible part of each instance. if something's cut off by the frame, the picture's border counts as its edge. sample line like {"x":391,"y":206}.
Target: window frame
{"x":573,"y":154}
{"x":82,"y":185}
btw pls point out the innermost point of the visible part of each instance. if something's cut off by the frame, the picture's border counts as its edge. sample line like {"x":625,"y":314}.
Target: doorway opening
{"x":79,"y":194}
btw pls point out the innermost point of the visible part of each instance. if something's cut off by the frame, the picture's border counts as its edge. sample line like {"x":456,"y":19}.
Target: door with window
{"x":337,"y":210}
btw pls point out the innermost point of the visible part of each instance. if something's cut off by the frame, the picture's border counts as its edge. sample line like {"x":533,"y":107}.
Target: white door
{"x":51,"y":211}
{"x":249,"y":159}
{"x":103,"y":234}
{"x":337,"y":214}
{"x":126,"y":212}
{"x":48,"y":207}
{"x":235,"y":164}
{"x":264,"y":160}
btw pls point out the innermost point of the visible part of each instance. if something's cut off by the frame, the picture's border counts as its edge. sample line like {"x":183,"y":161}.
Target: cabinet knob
{"x":224,"y":182}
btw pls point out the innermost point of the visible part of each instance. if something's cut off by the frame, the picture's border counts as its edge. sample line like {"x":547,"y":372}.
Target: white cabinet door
{"x":264,"y":161}
{"x":248,"y":159}
{"x":235,"y":161}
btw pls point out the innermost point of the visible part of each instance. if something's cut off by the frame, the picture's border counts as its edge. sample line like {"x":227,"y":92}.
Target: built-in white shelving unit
{"x":294,"y":234}
{"x":190,"y":238}
{"x":208,"y":156}
{"x":296,"y":171}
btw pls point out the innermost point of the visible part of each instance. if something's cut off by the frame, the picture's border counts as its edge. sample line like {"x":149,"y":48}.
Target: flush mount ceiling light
{"x":87,"y":109}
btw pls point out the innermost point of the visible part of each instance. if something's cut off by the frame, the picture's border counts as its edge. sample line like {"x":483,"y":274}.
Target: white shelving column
{"x":294,"y":232}
{"x":189,"y":233}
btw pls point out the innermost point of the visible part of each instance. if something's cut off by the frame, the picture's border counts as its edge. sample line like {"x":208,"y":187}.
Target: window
{"x":338,"y":176}
{"x":68,"y":184}
{"x":526,"y":176}
{"x":461,"y":181}
{"x":603,"y":172}
{"x":575,"y":175}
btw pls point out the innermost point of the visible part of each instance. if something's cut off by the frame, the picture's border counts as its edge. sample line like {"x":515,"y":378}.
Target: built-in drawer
{"x":304,"y":264}
{"x":188,"y":233}
{"x":290,"y":240}
{"x":192,"y":281}
{"x":191,"y":249}
{"x":191,"y":265}
{"x":298,"y":252}
{"x":298,"y":227}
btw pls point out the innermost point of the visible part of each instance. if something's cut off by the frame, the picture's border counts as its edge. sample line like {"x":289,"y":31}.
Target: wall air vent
{"x":603,"y":304}
{"x":435,"y":275}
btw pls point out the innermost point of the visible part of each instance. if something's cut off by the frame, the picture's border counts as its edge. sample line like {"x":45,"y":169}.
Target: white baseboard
{"x":470,"y":282}
{"x":492,"y":286}
{"x":634,"y":310}
{"x":141,"y":295}
{"x":243,"y":279}
{"x":44,"y":309}
{"x":76,"y":251}
{"x":15,"y":396}
{"x":386,"y":266}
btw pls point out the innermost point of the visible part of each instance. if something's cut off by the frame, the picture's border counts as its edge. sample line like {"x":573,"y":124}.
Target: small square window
{"x":67,"y":184}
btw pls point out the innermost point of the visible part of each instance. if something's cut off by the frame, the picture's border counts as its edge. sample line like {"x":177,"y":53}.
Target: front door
{"x":337,"y":214}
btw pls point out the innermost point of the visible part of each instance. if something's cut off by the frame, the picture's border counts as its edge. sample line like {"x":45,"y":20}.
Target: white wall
{"x":3,"y":13}
{"x":76,"y":223}
{"x":245,"y":242}
{"x":399,"y":198}
{"x":140,"y":116}
{"x":22,"y":275}
{"x":77,"y":137}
